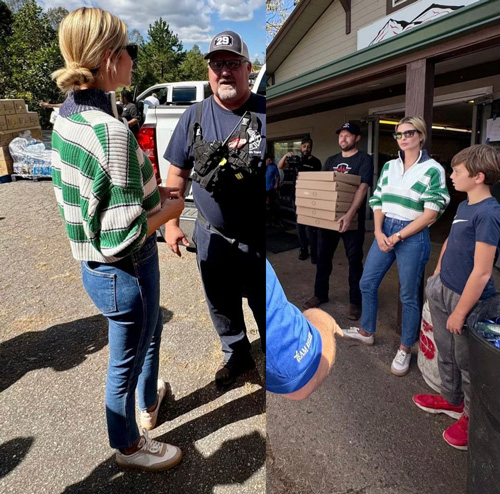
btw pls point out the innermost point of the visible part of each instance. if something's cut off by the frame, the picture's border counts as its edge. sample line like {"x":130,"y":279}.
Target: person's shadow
{"x":234,"y":462}
{"x":61,"y":347}
{"x":13,"y":452}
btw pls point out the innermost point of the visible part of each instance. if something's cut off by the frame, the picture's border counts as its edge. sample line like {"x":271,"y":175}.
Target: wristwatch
{"x":401,"y":239}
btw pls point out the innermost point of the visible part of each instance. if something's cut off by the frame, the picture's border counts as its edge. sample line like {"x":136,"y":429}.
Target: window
{"x":183,"y":95}
{"x":394,"y":5}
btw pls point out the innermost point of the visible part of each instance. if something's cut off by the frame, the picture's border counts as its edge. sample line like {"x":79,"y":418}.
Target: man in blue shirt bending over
{"x":300,"y":348}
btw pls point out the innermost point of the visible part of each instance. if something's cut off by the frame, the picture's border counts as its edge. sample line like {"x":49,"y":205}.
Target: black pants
{"x":308,"y":237}
{"x":327,"y":243}
{"x":228,"y":270}
{"x":272,"y":209}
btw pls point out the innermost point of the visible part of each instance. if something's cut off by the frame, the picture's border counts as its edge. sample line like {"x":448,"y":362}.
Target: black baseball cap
{"x":306,"y":139}
{"x":228,"y":41}
{"x":350,"y":127}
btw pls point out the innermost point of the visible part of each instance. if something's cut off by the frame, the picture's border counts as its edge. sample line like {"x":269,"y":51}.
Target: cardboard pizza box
{"x":331,"y":177}
{"x":325,"y":205}
{"x":322,"y":185}
{"x":321,"y":223}
{"x":323,"y":214}
{"x":325,"y":195}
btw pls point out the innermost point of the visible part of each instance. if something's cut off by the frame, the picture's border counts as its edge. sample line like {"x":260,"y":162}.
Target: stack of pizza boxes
{"x":321,"y":198}
{"x":14,"y":120}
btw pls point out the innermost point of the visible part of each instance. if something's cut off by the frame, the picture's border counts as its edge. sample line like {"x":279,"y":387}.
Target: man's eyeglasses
{"x":218,"y":65}
{"x":132,"y":51}
{"x":406,"y":134}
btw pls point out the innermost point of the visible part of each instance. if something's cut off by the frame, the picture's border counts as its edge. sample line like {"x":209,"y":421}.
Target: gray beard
{"x":226,"y":94}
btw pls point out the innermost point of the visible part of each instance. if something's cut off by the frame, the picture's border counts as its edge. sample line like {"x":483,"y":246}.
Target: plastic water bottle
{"x":489,"y":329}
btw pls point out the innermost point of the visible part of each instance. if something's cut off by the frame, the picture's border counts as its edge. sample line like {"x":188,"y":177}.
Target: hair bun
{"x":72,"y":77}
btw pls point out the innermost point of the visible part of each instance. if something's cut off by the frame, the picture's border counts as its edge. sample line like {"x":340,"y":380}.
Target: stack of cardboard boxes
{"x":14,"y":120}
{"x":321,"y":198}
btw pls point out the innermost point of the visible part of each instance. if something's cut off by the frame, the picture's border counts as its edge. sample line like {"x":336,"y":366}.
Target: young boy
{"x":462,"y":282}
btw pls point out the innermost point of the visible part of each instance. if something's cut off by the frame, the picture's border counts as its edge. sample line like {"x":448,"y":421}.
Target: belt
{"x":209,"y":226}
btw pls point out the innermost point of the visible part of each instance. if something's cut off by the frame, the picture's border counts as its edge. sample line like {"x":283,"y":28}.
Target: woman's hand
{"x":384,"y":243}
{"x":168,"y":193}
{"x":394,"y":239}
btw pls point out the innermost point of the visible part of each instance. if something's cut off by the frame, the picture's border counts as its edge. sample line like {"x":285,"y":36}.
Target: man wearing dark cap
{"x":224,"y":140}
{"x":353,"y":161}
{"x":308,"y":163}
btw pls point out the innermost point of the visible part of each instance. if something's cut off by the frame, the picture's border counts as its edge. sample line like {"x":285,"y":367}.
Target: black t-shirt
{"x":309,"y":164}
{"x":358,"y":164}
{"x":239,"y":214}
{"x":129,"y":112}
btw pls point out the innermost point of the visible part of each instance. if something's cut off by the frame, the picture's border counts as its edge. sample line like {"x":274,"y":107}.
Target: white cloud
{"x":190,"y":19}
{"x":235,"y":10}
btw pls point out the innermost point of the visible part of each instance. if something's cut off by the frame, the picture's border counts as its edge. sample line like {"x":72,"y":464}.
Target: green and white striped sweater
{"x":104,"y":184}
{"x":406,"y":195}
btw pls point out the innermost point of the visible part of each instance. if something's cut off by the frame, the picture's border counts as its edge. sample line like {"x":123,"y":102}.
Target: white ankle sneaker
{"x":151,"y":455}
{"x":354,"y":334}
{"x":401,"y":363}
{"x":148,"y":419}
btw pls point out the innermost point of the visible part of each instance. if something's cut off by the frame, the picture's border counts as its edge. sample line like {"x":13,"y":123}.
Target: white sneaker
{"x":151,"y":455}
{"x":148,"y":419}
{"x":354,"y":334}
{"x":401,"y":363}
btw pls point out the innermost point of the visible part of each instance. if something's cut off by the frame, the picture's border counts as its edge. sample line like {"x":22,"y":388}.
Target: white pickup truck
{"x":160,"y":122}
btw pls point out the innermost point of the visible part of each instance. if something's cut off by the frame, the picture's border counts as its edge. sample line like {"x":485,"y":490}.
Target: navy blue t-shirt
{"x":473,"y":223}
{"x":239,"y":214}
{"x":358,"y":164}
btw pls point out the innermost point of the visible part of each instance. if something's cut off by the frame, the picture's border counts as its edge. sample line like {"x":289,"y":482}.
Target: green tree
{"x":160,"y":56}
{"x":6,"y":20}
{"x":194,"y":67}
{"x":135,"y":37}
{"x":55,"y":15}
{"x":256,"y":65}
{"x":34,"y":54}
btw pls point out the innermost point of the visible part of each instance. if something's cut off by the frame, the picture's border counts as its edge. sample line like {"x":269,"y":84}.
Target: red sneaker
{"x":437,"y":404}
{"x":457,"y":435}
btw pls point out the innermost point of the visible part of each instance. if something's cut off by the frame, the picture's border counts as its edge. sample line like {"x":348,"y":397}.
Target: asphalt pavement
{"x":360,"y":432}
{"x":53,"y":356}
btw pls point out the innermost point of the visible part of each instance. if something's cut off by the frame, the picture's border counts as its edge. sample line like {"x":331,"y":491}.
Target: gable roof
{"x":303,"y":17}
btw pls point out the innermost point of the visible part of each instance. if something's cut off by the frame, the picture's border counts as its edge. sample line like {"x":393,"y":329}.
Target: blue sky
{"x":194,"y":21}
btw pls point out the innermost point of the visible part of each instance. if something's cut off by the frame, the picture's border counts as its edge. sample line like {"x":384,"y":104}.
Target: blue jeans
{"x":127,"y":293}
{"x":411,"y":256}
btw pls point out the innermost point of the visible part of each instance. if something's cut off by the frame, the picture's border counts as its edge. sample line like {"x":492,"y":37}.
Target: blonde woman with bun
{"x":411,"y":193}
{"x":112,"y":207}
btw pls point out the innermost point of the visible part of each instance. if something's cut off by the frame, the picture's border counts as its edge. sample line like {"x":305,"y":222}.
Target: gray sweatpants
{"x":453,"y":358}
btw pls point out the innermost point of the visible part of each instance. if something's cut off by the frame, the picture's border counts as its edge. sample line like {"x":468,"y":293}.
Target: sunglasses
{"x":406,"y":134}
{"x":132,"y":51}
{"x":218,"y":65}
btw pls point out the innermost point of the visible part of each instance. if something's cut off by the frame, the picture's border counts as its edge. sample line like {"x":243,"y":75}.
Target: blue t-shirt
{"x":239,"y":213}
{"x":473,"y":223}
{"x":293,"y":344}
{"x":271,"y":174}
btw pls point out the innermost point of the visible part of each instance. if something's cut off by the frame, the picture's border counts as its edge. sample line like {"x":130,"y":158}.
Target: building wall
{"x":326,"y":41}
{"x":322,"y":126}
